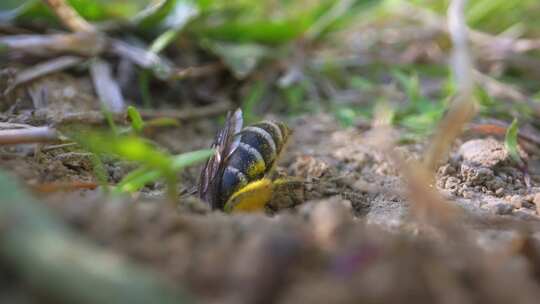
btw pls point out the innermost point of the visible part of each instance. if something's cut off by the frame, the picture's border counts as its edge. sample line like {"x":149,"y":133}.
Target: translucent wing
{"x":238,"y":124}
{"x":224,"y":144}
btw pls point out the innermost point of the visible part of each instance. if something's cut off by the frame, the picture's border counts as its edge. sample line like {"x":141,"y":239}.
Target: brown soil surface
{"x":354,"y":240}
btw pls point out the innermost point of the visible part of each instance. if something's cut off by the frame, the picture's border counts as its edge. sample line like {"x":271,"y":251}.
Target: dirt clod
{"x":485,"y":153}
{"x":483,"y":166}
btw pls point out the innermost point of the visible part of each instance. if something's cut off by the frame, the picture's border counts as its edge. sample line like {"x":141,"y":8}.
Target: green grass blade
{"x":511,"y":142}
{"x":182,"y":12}
{"x":241,"y":58}
{"x":143,"y":80}
{"x":138,"y":178}
{"x":110,"y":120}
{"x":137,"y":124}
{"x":99,"y":170}
{"x":129,"y":148}
{"x":190,"y":158}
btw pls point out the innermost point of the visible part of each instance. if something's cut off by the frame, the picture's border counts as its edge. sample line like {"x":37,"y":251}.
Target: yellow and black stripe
{"x":255,"y":156}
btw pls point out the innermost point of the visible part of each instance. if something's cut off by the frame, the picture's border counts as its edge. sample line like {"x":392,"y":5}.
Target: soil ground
{"x":354,"y":239}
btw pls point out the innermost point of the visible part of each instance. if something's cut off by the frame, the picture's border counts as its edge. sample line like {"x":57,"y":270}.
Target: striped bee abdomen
{"x":231,"y":181}
{"x":254,"y":157}
{"x":278,"y":131}
{"x":268,"y":137}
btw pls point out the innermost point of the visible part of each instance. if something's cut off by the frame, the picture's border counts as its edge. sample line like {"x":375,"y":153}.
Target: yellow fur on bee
{"x":253,"y":197}
{"x":256,"y":168}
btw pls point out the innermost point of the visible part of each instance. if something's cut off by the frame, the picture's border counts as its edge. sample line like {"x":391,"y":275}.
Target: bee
{"x":238,"y":177}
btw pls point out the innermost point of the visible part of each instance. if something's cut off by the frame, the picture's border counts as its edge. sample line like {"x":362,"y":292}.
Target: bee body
{"x":243,"y":156}
{"x":254,"y":157}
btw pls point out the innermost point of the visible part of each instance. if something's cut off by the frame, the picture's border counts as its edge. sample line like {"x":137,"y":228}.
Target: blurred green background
{"x":307,"y":56}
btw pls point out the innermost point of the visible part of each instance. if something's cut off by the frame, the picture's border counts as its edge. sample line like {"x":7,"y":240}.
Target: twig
{"x":500,"y":44}
{"x":28,"y":135}
{"x":60,"y":146}
{"x":69,"y":17}
{"x":106,"y":86}
{"x":11,"y":125}
{"x":64,"y":186}
{"x":85,"y":44}
{"x":91,"y":44}
{"x":191,"y":114}
{"x":11,"y":29}
{"x":499,"y":48}
{"x":499,"y":89}
{"x":143,"y":58}
{"x":42,"y":69}
{"x":462,"y":109}
{"x":39,"y":247}
{"x":462,"y":62}
{"x":87,"y":117}
{"x":195,"y":72}
{"x":97,"y":117}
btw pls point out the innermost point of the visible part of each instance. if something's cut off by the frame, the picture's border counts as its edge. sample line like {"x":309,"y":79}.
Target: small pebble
{"x":517,"y":201}
{"x":528,"y":205}
{"x":536,"y":201}
{"x":525,"y":214}
{"x":468,"y":194}
{"x":448,"y":169}
{"x":503,"y":208}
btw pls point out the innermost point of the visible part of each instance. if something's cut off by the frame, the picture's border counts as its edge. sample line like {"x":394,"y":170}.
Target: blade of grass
{"x":241,"y":58}
{"x":336,"y":12}
{"x":135,"y":149}
{"x":129,"y":148}
{"x":99,"y":170}
{"x":110,"y":121}
{"x":179,"y":15}
{"x":252,"y":99}
{"x":137,"y":124}
{"x":144,"y":88}
{"x":511,"y":142}
{"x":136,"y":179}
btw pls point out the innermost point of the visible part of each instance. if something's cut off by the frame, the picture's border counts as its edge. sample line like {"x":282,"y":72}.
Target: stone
{"x":503,"y":208}
{"x":483,"y":152}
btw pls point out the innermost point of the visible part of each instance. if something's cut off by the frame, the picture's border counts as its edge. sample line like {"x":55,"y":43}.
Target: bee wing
{"x":225,"y":144}
{"x":237,"y":122}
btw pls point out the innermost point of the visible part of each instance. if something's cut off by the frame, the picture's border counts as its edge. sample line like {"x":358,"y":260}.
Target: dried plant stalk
{"x":42,"y":69}
{"x":69,"y":17}
{"x":463,"y":107}
{"x":28,"y":135}
{"x":85,"y":44}
{"x":106,"y":87}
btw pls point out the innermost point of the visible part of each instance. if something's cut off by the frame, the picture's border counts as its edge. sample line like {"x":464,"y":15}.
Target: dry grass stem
{"x":106,"y":87}
{"x":69,"y":17}
{"x":463,"y":108}
{"x":28,"y":135}
{"x":84,"y":44}
{"x":42,"y":69}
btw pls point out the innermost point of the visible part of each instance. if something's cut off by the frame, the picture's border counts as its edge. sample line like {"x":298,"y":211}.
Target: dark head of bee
{"x":243,"y":155}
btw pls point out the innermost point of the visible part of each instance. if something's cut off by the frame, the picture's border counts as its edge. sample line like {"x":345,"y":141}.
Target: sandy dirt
{"x":354,"y":239}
